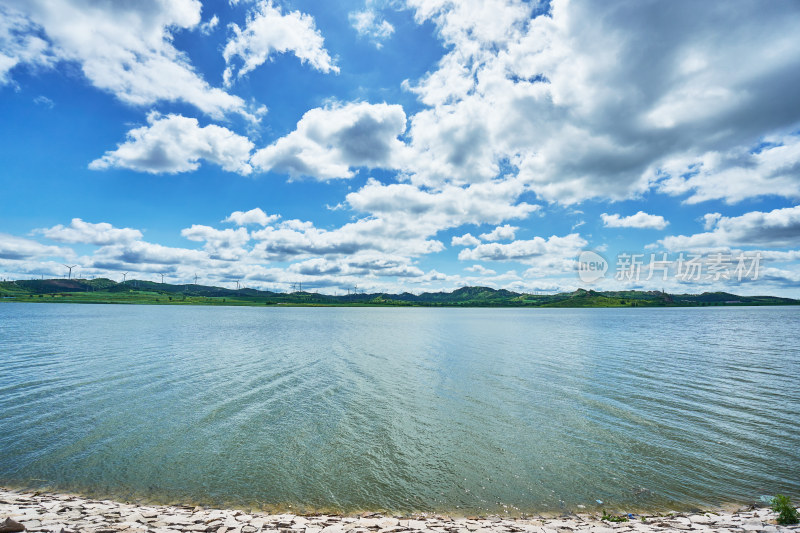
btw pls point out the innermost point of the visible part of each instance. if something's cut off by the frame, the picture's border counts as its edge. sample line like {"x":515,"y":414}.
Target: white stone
{"x":752,"y":524}
{"x":165,"y":530}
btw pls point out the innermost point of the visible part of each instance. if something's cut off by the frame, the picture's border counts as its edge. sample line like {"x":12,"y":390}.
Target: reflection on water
{"x":473,"y":410}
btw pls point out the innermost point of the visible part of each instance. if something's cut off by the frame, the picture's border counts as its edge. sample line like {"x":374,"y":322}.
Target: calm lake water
{"x":457,"y":410}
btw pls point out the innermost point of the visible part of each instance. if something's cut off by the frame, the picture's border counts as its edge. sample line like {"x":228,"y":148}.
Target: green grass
{"x":613,"y":518}
{"x":787,"y":513}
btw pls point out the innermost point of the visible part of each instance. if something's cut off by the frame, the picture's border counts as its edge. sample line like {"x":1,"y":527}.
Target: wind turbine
{"x":237,"y":284}
{"x":123,"y":276}
{"x":195,"y":279}
{"x":162,"y":279}
{"x":70,"y":269}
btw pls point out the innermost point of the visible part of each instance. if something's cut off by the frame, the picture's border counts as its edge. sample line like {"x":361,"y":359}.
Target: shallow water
{"x":455,"y":410}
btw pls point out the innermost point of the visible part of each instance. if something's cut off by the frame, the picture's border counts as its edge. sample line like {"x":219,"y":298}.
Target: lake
{"x":466,"y":411}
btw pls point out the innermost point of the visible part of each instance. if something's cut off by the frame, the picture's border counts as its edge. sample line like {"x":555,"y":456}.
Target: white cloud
{"x":710,"y":220}
{"x":269,"y":31}
{"x":781,"y":277}
{"x":254,"y":216}
{"x":17,"y":248}
{"x":501,"y":233}
{"x":400,"y":219}
{"x":596,"y":100}
{"x":298,"y":240}
{"x":19,"y":44}
{"x":771,"y":168}
{"x":552,"y":250}
{"x":99,"y":234}
{"x":492,"y":22}
{"x":465,"y":240}
{"x":329,"y":141}
{"x":360,"y":265}
{"x":206,"y":28}
{"x":491,"y":203}
{"x":44,"y":101}
{"x":777,"y":228}
{"x":639,"y":220}
{"x":223,"y":238}
{"x":452,"y":144}
{"x":368,"y":24}
{"x":174,"y":143}
{"x":479,"y":269}
{"x":125,"y":48}
{"x":226,"y":244}
{"x":142,"y":256}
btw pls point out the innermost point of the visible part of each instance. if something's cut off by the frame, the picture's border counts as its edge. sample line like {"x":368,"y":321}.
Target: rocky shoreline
{"x":66,"y":513}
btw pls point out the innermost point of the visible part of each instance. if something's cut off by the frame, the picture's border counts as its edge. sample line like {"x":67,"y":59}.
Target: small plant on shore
{"x":613,"y":518}
{"x":787,"y":514}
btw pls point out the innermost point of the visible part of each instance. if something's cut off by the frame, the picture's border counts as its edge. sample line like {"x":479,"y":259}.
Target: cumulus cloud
{"x":221,"y":238}
{"x":254,"y":216}
{"x":368,"y":23}
{"x":710,"y":220}
{"x":770,"y":168}
{"x":501,"y":233}
{"x":300,"y":240}
{"x":125,"y":48}
{"x":639,"y":220}
{"x":144,"y":256}
{"x":553,"y":249}
{"x":267,"y":32}
{"x":329,"y":141}
{"x":597,"y":100}
{"x":452,"y":206}
{"x":12,"y":247}
{"x":226,"y":244}
{"x":452,"y":144}
{"x":777,"y":228}
{"x":482,"y":270}
{"x":19,"y":44}
{"x":358,"y":266}
{"x":174,"y":143}
{"x":784,"y":278}
{"x":465,"y":240}
{"x":99,"y":234}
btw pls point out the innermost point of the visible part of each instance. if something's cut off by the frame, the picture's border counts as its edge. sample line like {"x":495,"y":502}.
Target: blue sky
{"x":402,"y":144}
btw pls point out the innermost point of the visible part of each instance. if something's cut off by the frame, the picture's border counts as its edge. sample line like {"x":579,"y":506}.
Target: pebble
{"x":11,"y":526}
{"x":61,"y":513}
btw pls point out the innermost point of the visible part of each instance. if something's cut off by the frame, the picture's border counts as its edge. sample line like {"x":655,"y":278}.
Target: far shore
{"x":96,"y":291}
{"x":51,"y":512}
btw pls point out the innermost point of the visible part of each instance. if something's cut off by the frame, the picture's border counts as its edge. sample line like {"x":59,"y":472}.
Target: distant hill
{"x":104,"y":290}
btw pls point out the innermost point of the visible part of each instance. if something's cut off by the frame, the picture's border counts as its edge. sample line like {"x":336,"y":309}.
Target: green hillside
{"x":147,"y":292}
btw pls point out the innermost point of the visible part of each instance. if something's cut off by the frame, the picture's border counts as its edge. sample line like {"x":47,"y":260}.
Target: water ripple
{"x":467,"y":410}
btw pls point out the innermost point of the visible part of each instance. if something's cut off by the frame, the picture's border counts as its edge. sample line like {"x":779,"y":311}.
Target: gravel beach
{"x":57,"y":513}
